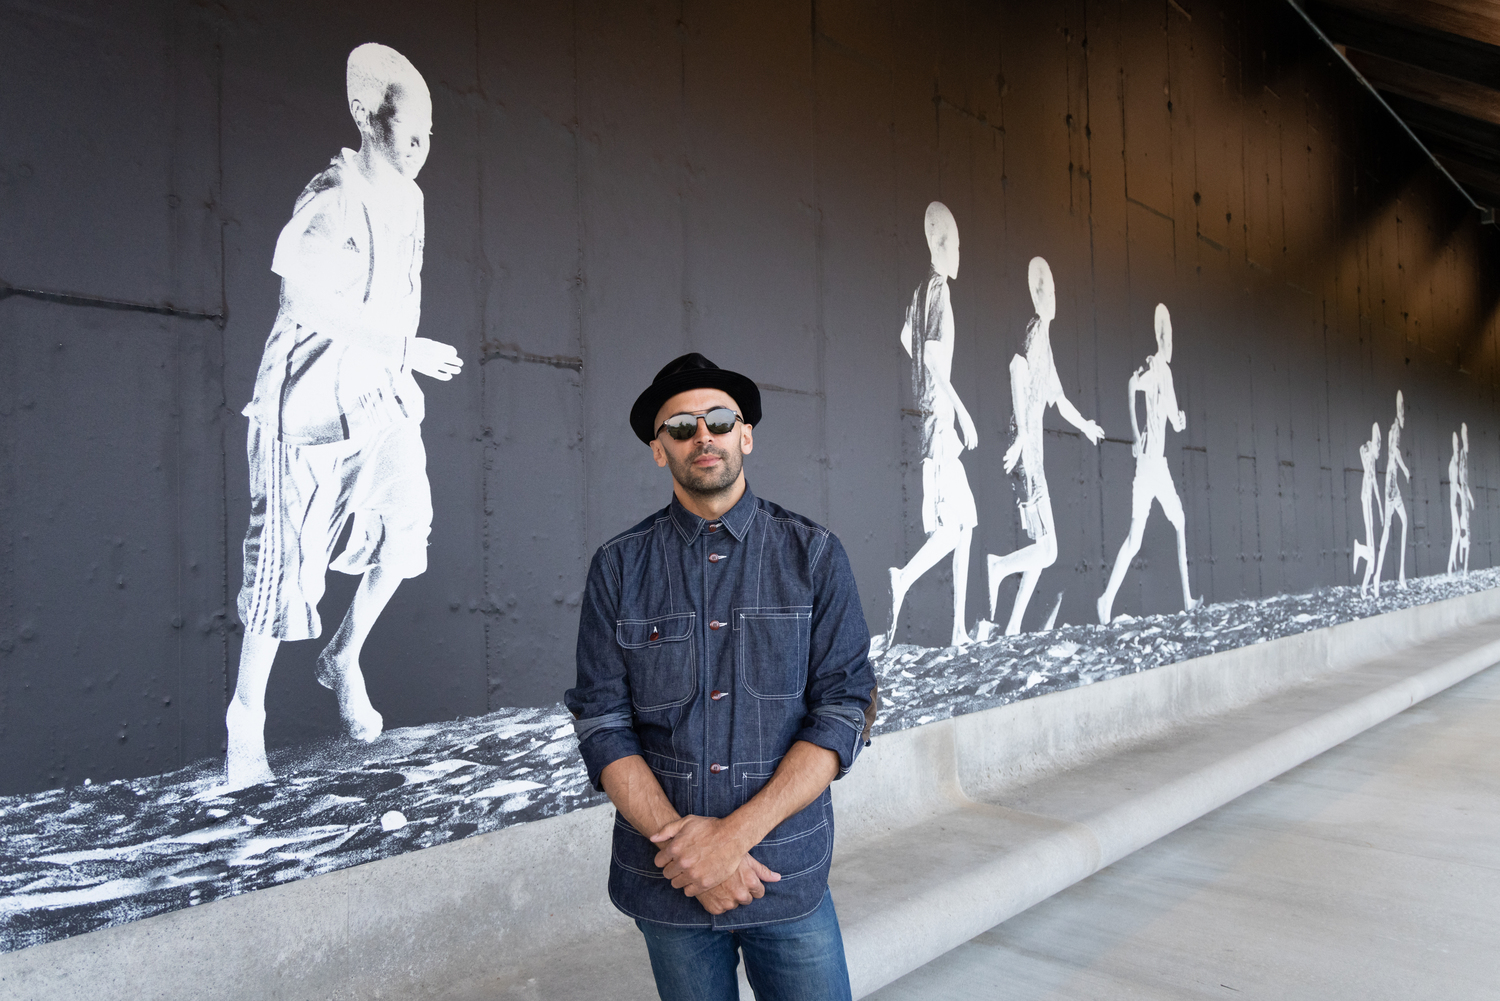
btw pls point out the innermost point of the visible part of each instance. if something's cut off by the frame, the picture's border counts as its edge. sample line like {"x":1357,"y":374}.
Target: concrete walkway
{"x":1371,"y":871}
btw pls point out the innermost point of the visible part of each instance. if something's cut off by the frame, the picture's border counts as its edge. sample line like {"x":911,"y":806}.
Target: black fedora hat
{"x":691,"y":371}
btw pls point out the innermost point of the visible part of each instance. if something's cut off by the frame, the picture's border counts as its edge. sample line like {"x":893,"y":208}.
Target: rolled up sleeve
{"x":600,"y":701}
{"x":841,"y":682}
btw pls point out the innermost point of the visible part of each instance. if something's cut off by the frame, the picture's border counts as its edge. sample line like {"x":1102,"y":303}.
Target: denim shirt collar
{"x":737,"y":519}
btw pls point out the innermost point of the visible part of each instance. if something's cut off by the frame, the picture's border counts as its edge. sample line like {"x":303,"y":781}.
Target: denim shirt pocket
{"x":659,"y":661}
{"x":771,"y":650}
{"x":799,"y":844}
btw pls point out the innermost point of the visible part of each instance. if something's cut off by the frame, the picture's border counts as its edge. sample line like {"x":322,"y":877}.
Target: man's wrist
{"x":743,"y":830}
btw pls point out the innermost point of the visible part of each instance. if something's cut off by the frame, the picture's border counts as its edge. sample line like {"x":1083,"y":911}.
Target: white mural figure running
{"x":1455,"y":507}
{"x":1034,"y":387}
{"x":1394,"y":506}
{"x":1465,"y":499}
{"x":335,"y":422}
{"x":948,"y":512}
{"x":1369,"y":506}
{"x":1153,"y":478}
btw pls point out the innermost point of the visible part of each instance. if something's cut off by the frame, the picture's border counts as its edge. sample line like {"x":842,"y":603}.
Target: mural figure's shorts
{"x":947,"y":501}
{"x":300,"y":498}
{"x":1034,"y":504}
{"x":1153,"y":482}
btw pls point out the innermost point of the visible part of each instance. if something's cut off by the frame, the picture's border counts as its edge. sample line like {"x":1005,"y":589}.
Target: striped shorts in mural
{"x":300,"y":499}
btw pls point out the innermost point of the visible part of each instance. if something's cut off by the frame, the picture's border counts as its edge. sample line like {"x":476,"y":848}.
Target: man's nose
{"x":703,"y":433}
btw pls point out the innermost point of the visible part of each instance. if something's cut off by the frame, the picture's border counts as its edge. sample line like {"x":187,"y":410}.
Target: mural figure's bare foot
{"x":245,"y":757}
{"x":1102,"y":608}
{"x":348,"y":684}
{"x":878,"y":645}
{"x":1193,"y":603}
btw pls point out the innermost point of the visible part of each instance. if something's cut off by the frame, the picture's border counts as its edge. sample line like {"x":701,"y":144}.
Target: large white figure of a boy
{"x":336,"y":420}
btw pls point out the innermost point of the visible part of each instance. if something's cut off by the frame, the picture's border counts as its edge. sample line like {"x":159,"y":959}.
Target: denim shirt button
{"x":714,"y":557}
{"x":716,"y":695}
{"x":716,"y":624}
{"x":716,"y":768}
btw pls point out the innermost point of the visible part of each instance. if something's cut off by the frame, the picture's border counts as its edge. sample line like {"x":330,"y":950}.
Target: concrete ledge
{"x":945,"y":830}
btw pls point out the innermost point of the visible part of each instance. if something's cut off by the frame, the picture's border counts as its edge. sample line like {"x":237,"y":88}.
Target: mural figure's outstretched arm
{"x":1091,"y":429}
{"x":434,"y":358}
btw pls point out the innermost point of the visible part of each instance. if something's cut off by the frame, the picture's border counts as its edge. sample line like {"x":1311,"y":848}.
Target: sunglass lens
{"x":720,"y":421}
{"x":682,"y":427}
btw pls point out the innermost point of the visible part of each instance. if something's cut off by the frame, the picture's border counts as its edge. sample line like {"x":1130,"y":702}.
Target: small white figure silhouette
{"x":1369,"y":506}
{"x":1465,"y":499}
{"x":1395,"y":507}
{"x":1153,"y":478}
{"x":948,"y":512}
{"x":1034,"y":387}
{"x":1455,"y":507}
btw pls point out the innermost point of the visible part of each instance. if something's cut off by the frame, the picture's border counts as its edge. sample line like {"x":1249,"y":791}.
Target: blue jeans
{"x":798,"y":960}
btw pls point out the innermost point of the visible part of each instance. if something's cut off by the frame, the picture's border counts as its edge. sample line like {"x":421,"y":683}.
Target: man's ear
{"x":361,"y":115}
{"x":747,"y":440}
{"x":659,"y":453}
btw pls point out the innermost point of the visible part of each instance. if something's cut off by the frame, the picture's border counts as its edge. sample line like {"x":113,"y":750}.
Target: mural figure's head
{"x":1400,"y":410}
{"x":942,"y":239}
{"x":713,"y":409}
{"x":1043,"y":297}
{"x":1163,"y":332}
{"x":391,"y":106}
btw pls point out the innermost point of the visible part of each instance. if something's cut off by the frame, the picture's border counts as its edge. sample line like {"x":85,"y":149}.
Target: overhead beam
{"x":1476,"y":19}
{"x":1438,"y":51}
{"x":1484,"y":185}
{"x":1438,"y":89}
{"x":1479,"y":141}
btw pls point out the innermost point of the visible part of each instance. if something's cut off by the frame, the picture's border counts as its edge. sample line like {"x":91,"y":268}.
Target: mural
{"x":336,"y":420}
{"x":608,"y":190}
{"x":948,"y":513}
{"x":1034,"y":387}
{"x":1153,"y":479}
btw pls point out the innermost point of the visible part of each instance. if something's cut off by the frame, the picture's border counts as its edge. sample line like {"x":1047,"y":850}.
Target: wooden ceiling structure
{"x":1437,"y":65}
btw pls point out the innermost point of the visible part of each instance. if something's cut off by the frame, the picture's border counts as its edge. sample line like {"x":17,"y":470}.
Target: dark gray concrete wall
{"x":612,"y":184}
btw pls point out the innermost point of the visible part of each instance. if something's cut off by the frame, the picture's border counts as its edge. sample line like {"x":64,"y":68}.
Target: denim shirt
{"x":708,"y":648}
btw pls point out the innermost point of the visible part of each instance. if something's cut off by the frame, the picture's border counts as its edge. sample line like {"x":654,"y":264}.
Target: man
{"x":336,"y":420}
{"x":949,"y":516}
{"x":1153,"y":479}
{"x":723,"y":683}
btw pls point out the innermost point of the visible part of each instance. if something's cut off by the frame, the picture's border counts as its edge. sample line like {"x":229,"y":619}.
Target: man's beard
{"x":707,"y":482}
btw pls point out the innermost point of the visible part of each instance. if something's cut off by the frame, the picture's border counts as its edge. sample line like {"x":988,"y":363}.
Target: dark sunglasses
{"x":719,"y":420}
